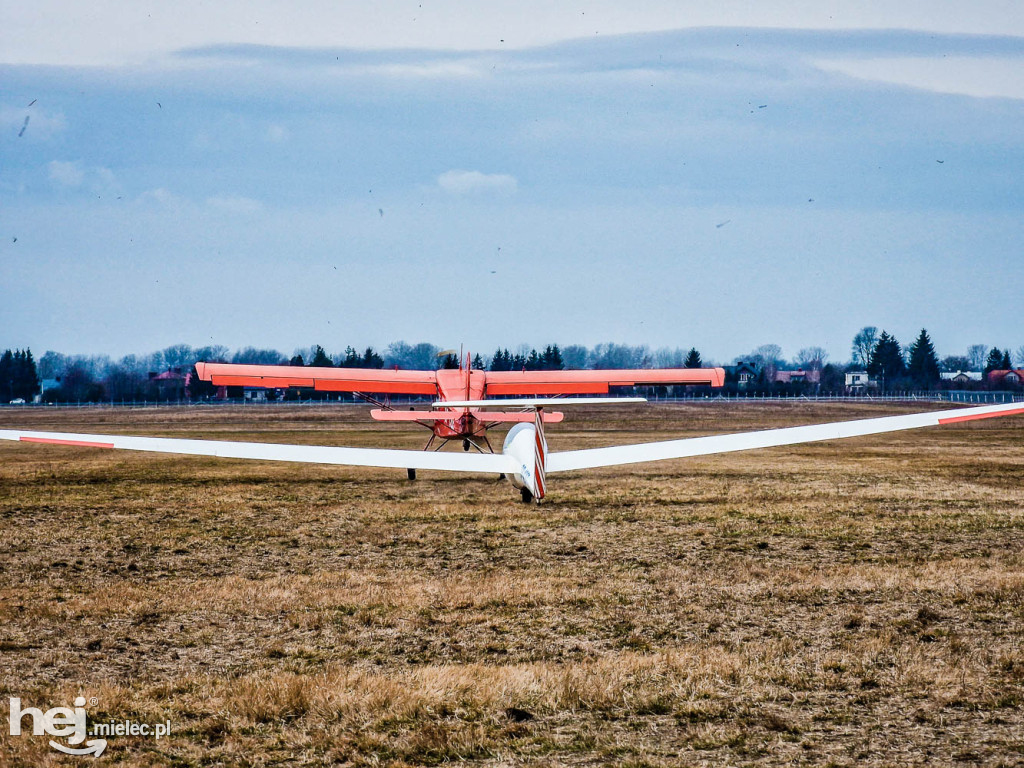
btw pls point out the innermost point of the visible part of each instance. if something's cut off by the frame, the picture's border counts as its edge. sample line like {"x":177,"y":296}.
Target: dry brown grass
{"x":856,"y":602}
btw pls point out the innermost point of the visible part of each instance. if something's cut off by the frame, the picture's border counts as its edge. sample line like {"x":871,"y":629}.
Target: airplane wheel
{"x":465,"y":445}
{"x":411,"y":473}
{"x":526,"y":494}
{"x":501,"y":476}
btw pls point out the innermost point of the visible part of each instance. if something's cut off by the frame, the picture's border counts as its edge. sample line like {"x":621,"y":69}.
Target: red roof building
{"x":1010,"y":378}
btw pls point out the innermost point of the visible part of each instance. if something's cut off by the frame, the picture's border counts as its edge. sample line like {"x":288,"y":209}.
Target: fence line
{"x":950,"y":396}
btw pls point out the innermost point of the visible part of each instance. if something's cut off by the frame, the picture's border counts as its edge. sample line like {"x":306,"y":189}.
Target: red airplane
{"x":470,"y":424}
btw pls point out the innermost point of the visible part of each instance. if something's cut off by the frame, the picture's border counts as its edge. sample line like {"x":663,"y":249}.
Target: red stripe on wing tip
{"x":973,"y":417}
{"x":55,"y":441}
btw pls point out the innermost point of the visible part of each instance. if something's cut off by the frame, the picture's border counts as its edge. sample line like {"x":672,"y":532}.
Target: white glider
{"x":524,"y":457}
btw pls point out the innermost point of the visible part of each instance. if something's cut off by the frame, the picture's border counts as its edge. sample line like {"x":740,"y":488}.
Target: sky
{"x":490,"y":174}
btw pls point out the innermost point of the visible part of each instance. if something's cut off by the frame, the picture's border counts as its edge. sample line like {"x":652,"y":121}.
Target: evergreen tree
{"x":450,"y":362}
{"x":33,"y":373}
{"x":994,"y":361}
{"x":886,"y":360}
{"x":297,"y":361}
{"x":551,"y":359}
{"x":6,"y":376}
{"x":693,"y":359}
{"x":502,"y":360}
{"x":532,"y":361}
{"x":26,"y":381}
{"x":371,"y":359}
{"x":352,"y":359}
{"x":924,"y":364}
{"x":1006,"y":364}
{"x":478,"y":363}
{"x":320,"y":358}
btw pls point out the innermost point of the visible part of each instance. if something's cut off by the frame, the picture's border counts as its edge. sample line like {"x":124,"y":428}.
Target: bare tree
{"x":423,"y":357}
{"x":768,"y":353}
{"x":955,"y":363}
{"x":51,"y":364}
{"x":214,"y":353}
{"x":1018,"y":356}
{"x":619,"y":356}
{"x":668,"y":358}
{"x":178,"y":356}
{"x":812,"y":358}
{"x":863,"y":345}
{"x":575,"y":357}
{"x":254,"y":356}
{"x":977,"y":354}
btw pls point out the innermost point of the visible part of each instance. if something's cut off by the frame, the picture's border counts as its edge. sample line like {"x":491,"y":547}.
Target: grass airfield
{"x":857,"y":602}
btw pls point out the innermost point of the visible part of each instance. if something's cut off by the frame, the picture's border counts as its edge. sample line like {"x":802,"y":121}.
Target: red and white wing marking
{"x":704,"y":446}
{"x":491,"y":463}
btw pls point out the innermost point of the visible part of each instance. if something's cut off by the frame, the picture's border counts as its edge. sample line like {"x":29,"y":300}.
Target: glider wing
{"x":704,"y":446}
{"x":491,"y":463}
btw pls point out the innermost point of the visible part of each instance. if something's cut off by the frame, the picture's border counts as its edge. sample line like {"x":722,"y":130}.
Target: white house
{"x":962,"y":377}
{"x":859,"y":380}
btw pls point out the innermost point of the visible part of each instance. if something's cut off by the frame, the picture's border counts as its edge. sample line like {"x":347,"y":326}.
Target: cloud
{"x":457,"y":182}
{"x":425,"y":70}
{"x":277,"y":133}
{"x":981,"y":76}
{"x":162,"y":197}
{"x":66,"y":174}
{"x":59,"y":32}
{"x":238,"y":205}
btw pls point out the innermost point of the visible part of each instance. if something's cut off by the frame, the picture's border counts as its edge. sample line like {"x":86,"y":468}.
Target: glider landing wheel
{"x":411,"y":473}
{"x":526,"y":494}
{"x":465,"y":445}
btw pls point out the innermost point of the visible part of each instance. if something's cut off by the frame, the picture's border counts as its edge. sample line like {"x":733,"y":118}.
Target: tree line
{"x":135,"y":377}
{"x":919,"y":366}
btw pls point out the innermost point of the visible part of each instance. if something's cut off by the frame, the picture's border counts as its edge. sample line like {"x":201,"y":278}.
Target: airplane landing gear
{"x":526,"y":494}
{"x":411,"y":473}
{"x":465,"y":445}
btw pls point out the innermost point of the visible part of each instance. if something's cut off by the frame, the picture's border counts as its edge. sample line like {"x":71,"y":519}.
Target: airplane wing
{"x":703,"y":446}
{"x":322,"y":379}
{"x":595,"y":382}
{"x":490,"y":463}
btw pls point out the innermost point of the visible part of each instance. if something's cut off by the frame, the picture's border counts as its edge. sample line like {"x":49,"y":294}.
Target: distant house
{"x":170,"y":384}
{"x":742,"y":374}
{"x":962,"y":377}
{"x":799,"y":376}
{"x":859,"y":380}
{"x":1010,"y":378}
